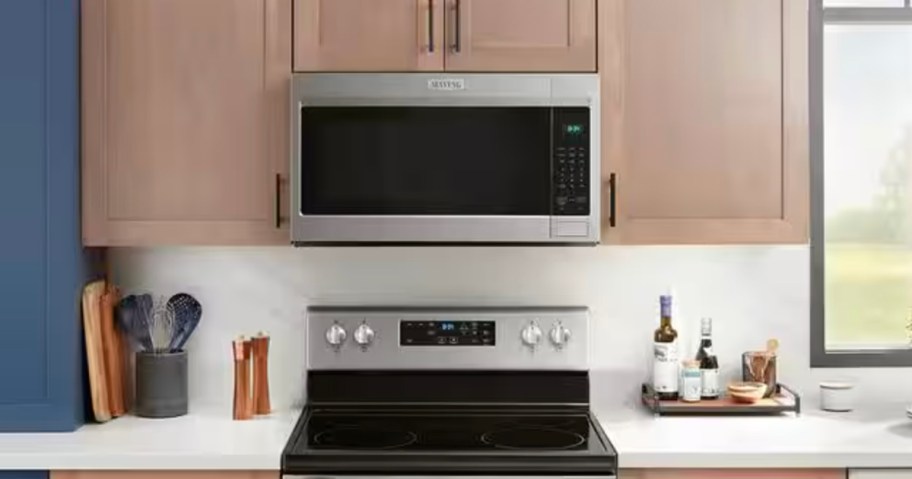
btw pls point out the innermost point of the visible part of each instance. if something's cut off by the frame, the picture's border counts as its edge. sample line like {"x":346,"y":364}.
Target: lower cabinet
{"x":880,"y":473}
{"x":23,"y":475}
{"x":733,"y":474}
{"x":159,"y":475}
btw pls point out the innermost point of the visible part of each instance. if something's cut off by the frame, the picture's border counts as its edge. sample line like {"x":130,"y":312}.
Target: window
{"x":861,"y":149}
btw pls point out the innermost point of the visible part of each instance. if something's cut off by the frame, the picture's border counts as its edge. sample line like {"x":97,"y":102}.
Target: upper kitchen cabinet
{"x":368,"y":35}
{"x":705,"y":120}
{"x":185,"y":121}
{"x":452,"y":35}
{"x":521,"y":35}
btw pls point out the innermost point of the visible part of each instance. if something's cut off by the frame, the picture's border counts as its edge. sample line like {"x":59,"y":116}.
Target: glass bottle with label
{"x":665,"y":363}
{"x":709,"y":364}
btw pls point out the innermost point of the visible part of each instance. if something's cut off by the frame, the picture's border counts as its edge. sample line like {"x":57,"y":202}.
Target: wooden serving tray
{"x":785,"y":400}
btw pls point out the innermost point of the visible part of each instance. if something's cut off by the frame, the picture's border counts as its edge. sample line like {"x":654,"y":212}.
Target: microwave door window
{"x":426,"y":161}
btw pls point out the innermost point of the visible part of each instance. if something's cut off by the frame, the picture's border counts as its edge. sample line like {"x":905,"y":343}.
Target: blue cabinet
{"x":23,"y":474}
{"x":41,"y":259}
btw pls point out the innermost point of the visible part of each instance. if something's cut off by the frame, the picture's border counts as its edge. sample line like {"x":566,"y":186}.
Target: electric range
{"x":448,"y":392}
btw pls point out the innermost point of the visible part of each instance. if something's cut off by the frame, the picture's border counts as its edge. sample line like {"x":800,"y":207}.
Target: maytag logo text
{"x":446,"y":84}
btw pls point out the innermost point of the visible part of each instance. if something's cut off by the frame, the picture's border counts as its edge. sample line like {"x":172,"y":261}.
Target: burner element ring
{"x":365,"y":438}
{"x":532,"y":438}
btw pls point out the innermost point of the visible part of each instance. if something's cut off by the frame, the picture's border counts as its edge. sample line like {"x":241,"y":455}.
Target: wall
{"x":752,"y":293}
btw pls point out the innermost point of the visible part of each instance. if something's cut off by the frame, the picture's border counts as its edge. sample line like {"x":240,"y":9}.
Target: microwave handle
{"x":612,"y":200}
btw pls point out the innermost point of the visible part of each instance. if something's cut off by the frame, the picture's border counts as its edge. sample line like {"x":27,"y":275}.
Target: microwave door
{"x":379,"y":169}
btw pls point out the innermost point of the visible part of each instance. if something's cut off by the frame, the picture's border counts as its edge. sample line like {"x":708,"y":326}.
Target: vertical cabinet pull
{"x":278,"y":200}
{"x":430,"y":26}
{"x":612,"y":200}
{"x":457,"y":22}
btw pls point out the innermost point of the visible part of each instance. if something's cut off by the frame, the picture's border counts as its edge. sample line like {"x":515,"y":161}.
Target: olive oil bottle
{"x":665,"y":372}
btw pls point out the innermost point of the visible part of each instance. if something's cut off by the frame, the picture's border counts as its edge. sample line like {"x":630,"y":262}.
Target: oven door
{"x":417,"y":158}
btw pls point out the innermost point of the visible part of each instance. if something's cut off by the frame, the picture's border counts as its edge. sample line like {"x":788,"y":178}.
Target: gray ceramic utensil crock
{"x":161,"y":384}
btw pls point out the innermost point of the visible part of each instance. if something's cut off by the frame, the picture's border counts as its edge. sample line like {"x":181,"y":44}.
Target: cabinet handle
{"x":457,"y":34}
{"x":430,"y":26}
{"x":278,"y":200}
{"x":612,"y":200}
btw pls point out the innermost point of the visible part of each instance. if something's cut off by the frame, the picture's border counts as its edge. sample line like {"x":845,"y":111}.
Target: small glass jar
{"x":691,"y":382}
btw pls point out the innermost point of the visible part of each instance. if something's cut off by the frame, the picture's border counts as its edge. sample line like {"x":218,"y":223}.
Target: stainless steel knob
{"x":364,"y":335}
{"x":560,"y":335}
{"x":531,"y":335}
{"x":336,"y":335}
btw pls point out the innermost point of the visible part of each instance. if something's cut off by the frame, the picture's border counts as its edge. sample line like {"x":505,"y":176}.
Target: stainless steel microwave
{"x":445,"y":159}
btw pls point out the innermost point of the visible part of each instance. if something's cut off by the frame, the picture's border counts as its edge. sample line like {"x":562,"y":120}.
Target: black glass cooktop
{"x":397,"y":440}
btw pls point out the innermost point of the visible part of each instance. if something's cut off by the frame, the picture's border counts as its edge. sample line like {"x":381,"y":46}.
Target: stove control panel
{"x":521,"y":338}
{"x":447,"y":333}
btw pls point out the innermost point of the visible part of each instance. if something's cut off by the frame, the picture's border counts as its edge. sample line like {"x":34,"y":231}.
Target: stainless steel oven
{"x":445,"y":158}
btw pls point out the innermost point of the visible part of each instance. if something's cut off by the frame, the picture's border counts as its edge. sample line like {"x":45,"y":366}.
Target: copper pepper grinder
{"x":261,"y":374}
{"x":243,"y":403}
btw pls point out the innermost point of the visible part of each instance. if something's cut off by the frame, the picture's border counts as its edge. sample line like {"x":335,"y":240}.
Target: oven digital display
{"x":447,"y":333}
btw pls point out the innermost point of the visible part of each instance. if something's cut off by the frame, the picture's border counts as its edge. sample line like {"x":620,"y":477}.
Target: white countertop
{"x":200,"y":440}
{"x":872,"y":436}
{"x":878,"y":436}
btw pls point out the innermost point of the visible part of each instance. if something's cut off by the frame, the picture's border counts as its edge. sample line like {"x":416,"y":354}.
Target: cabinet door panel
{"x":708,"y":130}
{"x":186,"y":113}
{"x":40,"y":259}
{"x":521,"y":35}
{"x":733,"y":474}
{"x":368,"y":35}
{"x":164,"y":475}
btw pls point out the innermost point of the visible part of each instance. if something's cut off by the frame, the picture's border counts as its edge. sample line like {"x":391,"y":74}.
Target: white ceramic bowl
{"x":837,"y":396}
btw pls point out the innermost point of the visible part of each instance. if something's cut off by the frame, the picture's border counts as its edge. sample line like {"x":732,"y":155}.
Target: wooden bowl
{"x":747,"y":393}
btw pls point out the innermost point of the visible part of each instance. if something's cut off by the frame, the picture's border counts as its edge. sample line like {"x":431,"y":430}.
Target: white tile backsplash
{"x":751,"y":292}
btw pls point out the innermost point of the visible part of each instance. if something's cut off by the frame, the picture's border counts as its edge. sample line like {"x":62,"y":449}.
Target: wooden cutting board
{"x":113,"y":352}
{"x":94,"y":344}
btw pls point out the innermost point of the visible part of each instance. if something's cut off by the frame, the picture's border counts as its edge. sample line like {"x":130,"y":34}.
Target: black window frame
{"x":821,"y":16}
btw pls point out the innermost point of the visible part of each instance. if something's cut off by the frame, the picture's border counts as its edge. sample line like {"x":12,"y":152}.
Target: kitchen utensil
{"x":95,"y":356}
{"x":187,"y":313}
{"x":243,"y":403}
{"x":761,"y":366}
{"x":161,"y":326}
{"x":261,"y":374}
{"x":131,"y":318}
{"x":113,"y":352}
{"x":161,"y":384}
{"x":837,"y":396}
{"x":747,"y":392}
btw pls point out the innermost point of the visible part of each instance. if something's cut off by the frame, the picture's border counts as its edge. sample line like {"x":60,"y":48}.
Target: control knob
{"x":364,"y":335}
{"x":335,"y":335}
{"x":560,"y":335}
{"x":531,"y":335}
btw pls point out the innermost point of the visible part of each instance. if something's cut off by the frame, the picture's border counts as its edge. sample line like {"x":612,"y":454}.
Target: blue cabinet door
{"x":23,"y":474}
{"x":41,"y":259}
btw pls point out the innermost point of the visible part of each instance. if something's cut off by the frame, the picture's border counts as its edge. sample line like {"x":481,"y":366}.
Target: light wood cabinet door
{"x":185,"y":121}
{"x":521,"y":35}
{"x":705,"y":120}
{"x":164,"y":474}
{"x":368,"y":35}
{"x":733,"y":473}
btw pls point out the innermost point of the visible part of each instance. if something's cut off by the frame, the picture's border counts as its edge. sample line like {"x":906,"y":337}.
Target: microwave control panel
{"x":570,"y":161}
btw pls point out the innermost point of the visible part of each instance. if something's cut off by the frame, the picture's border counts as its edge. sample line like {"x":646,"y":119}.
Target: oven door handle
{"x":379,"y":476}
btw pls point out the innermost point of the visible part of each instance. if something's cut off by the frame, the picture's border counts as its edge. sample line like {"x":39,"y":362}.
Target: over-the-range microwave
{"x":445,"y":159}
